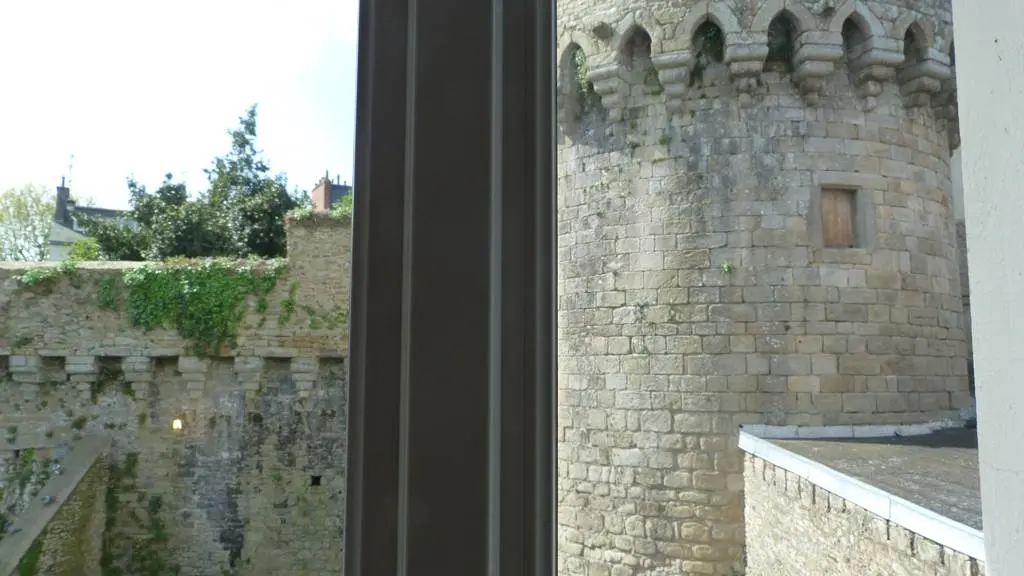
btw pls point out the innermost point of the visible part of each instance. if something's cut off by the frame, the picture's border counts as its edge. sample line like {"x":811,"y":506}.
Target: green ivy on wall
{"x":341,"y":210}
{"x":48,"y":275}
{"x":202,"y":299}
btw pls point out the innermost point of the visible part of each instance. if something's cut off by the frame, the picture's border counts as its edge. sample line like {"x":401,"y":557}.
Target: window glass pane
{"x":176,"y":190}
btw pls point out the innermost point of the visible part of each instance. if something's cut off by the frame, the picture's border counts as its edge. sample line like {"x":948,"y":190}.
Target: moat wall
{"x":701,"y":285}
{"x":252,"y":481}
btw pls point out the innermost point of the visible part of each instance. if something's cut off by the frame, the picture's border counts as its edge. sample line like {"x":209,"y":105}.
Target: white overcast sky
{"x":145,"y":88}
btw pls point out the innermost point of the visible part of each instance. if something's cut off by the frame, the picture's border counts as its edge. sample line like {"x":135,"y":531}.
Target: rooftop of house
{"x":65,"y":206}
{"x":326,"y":192}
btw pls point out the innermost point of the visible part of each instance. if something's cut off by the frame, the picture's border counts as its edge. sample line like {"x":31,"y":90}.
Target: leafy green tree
{"x":240,"y":214}
{"x":255,"y":201}
{"x":26,"y":217}
{"x":84,"y":250}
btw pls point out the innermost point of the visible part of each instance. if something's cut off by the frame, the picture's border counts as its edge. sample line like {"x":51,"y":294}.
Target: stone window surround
{"x":918,"y":519}
{"x":864,"y":208}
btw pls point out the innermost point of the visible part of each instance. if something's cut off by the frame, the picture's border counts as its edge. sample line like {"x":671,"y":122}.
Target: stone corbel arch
{"x":568,"y":107}
{"x":865,"y":18}
{"x":602,"y":70}
{"x":874,"y":61}
{"x":923,"y":77}
{"x":802,"y":17}
{"x":925,"y":25}
{"x":581,"y":39}
{"x":745,"y":51}
{"x":642,"y":19}
{"x":815,"y":52}
{"x":717,"y":12}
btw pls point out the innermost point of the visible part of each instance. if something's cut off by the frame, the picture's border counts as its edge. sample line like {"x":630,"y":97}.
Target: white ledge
{"x":848,"y":431}
{"x":917,"y":519}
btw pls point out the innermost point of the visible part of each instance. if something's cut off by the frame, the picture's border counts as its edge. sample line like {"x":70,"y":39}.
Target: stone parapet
{"x":796,"y":526}
{"x":82,"y":311}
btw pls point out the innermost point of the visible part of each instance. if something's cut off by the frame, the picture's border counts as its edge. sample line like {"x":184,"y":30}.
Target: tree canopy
{"x":26,"y":215}
{"x":240,"y":214}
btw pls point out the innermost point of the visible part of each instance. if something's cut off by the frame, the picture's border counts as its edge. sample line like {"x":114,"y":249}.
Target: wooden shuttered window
{"x":838,"y":217}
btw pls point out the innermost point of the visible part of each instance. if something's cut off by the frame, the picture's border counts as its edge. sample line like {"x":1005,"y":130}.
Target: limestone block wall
{"x":230,"y":461}
{"x":795,"y":528}
{"x":961,"y":242}
{"x":700,"y":284}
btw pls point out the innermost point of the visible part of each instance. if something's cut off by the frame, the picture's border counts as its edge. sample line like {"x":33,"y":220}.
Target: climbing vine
{"x":201,"y":299}
{"x":49,"y":274}
{"x":584,"y":88}
{"x":341,"y":210}
{"x":108,"y":292}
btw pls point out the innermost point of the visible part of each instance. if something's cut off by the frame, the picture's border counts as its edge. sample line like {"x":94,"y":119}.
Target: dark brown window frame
{"x":451,"y":418}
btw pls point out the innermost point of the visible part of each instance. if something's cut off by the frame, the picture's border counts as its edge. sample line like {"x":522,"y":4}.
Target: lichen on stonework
{"x":820,"y":7}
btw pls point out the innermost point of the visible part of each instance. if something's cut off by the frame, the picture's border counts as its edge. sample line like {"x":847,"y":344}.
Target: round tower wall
{"x":764,"y":239}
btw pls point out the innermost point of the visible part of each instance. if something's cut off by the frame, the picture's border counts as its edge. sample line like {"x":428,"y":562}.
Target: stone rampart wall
{"x":226,"y":458}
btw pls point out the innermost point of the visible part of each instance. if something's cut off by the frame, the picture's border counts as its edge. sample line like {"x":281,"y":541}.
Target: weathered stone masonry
{"x":706,"y":150}
{"x":253,"y":481}
{"x":825,"y":534}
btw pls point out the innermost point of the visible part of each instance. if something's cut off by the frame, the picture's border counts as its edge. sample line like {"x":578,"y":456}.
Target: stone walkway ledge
{"x":851,"y":431}
{"x":31,"y":523}
{"x":756,"y":440}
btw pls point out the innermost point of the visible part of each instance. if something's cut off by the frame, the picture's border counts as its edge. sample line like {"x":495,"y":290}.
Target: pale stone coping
{"x":847,"y":431}
{"x":917,"y":519}
{"x":79,"y":460}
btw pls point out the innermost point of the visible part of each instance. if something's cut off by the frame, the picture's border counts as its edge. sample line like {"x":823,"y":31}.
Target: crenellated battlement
{"x":875,"y":45}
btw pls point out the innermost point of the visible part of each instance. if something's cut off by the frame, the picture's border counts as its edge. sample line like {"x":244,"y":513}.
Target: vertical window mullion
{"x":469,"y":351}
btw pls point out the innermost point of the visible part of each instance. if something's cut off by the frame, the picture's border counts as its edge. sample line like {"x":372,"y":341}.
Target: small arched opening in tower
{"x":578,"y":92}
{"x":952,"y":55}
{"x":709,"y":46}
{"x":781,"y":43}
{"x":913,"y":45}
{"x":636,"y":58}
{"x":853,"y":40}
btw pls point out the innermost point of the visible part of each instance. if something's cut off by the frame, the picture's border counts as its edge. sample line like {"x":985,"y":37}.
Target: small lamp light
{"x":177,"y":424}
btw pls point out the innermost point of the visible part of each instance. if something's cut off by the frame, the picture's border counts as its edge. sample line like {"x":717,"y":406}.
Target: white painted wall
{"x":990,"y":81}
{"x":60,"y":241}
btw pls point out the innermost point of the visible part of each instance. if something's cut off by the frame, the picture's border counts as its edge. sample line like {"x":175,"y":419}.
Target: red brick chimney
{"x":322,"y":194}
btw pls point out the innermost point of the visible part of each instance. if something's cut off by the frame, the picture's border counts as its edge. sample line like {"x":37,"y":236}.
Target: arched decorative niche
{"x":924,"y":70}
{"x":709,"y":49}
{"x":782,"y":33}
{"x":870,"y":55}
{"x":636,"y":58}
{"x":578,"y":98}
{"x":914,"y":45}
{"x":854,"y":39}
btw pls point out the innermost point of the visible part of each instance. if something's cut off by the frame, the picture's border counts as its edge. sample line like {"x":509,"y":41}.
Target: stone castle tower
{"x":754,"y":228}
